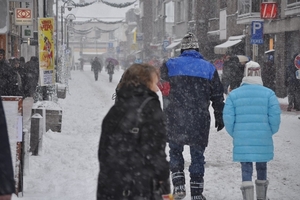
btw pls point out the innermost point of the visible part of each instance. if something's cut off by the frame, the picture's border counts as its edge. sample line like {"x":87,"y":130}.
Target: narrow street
{"x":67,"y":167}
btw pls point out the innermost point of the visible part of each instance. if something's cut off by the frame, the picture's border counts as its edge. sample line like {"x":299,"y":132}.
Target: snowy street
{"x":67,"y":168}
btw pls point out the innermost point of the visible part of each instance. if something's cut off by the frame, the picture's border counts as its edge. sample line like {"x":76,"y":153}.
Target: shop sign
{"x":268,"y":10}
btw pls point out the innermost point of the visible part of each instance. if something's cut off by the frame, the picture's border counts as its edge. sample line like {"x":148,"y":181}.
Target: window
{"x":213,"y":12}
{"x":292,"y":1}
{"x":169,"y":12}
{"x":111,"y":35}
{"x":180,"y":11}
{"x":248,"y":6}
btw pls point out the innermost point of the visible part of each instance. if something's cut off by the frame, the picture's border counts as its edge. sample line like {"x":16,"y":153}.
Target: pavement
{"x":284,"y":106}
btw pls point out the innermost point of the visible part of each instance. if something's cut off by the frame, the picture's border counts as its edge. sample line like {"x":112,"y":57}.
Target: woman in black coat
{"x":133,"y":162}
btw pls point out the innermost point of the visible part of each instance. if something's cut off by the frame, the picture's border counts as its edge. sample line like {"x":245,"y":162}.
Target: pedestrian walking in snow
{"x":96,"y":65}
{"x":233,"y":73}
{"x":7,"y":185}
{"x":252,"y":116}
{"x":293,"y":85}
{"x":110,"y":70}
{"x":32,"y":77}
{"x":131,"y":152}
{"x":194,"y":82}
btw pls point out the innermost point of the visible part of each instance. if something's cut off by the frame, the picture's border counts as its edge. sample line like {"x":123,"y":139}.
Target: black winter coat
{"x":96,"y":65}
{"x":6,"y":168}
{"x":129,"y":163}
{"x":6,"y":79}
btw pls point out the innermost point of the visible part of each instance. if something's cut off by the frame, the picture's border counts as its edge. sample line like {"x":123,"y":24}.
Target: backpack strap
{"x":136,"y":129}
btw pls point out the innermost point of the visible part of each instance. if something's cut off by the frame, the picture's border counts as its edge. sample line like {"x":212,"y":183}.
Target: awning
{"x":173,"y":44}
{"x":233,"y":40}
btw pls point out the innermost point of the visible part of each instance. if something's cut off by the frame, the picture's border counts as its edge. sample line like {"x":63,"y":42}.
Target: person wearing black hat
{"x":194,"y":83}
{"x":5,"y":76}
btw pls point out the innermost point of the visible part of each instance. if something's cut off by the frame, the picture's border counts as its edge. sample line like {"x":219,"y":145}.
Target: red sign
{"x":23,"y":13}
{"x":297,"y":61}
{"x":268,"y":10}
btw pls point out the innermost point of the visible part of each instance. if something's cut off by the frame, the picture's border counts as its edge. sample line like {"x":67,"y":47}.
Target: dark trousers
{"x":196,"y":167}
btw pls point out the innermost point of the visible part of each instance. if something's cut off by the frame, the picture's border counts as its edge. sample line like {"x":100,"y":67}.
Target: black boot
{"x":178,"y":180}
{"x":197,"y":189}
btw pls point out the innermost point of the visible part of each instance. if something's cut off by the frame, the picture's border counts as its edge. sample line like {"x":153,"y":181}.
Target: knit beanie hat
{"x":189,"y":41}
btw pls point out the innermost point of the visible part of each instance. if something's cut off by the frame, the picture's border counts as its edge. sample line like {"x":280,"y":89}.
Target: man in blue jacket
{"x":194,"y":83}
{"x":251,"y":117}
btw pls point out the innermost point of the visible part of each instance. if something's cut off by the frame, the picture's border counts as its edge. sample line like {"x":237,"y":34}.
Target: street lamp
{"x":70,"y":18}
{"x":70,"y":4}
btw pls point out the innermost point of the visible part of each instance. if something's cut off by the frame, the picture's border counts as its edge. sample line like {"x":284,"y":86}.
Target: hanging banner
{"x":46,"y":51}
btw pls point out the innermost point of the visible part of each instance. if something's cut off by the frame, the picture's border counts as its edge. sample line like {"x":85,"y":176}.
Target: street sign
{"x":257,"y":32}
{"x":297,"y":61}
{"x":23,"y":16}
{"x":165,"y":44}
{"x":110,"y":44}
{"x":268,"y":10}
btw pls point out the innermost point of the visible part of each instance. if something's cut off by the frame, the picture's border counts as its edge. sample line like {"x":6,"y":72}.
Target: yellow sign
{"x":46,"y":50}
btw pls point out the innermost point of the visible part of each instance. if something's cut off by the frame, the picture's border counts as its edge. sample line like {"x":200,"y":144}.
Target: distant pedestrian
{"x":133,"y":164}
{"x":233,"y":73}
{"x":96,"y":65}
{"x":293,"y":85}
{"x":32,"y":77}
{"x":22,"y":62}
{"x":6,"y":76}
{"x":18,"y":78}
{"x":110,"y":70}
{"x":7,"y":184}
{"x":252,"y":116}
{"x":268,"y":71}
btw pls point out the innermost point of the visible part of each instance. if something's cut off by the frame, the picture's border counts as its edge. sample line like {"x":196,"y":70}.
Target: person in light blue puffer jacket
{"x":251,"y":117}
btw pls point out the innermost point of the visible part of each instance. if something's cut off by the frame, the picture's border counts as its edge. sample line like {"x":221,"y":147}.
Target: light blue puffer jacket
{"x":251,"y":116}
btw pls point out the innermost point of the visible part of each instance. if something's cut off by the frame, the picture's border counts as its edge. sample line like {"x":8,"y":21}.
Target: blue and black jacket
{"x":194,"y":84}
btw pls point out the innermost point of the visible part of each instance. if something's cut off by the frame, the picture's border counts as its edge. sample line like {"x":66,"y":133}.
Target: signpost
{"x":257,"y":32}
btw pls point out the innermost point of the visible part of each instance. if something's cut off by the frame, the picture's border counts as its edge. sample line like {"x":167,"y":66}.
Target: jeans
{"x":247,"y":171}
{"x":196,"y":168}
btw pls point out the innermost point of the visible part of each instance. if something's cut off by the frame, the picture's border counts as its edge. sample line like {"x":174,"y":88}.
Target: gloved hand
{"x":219,"y":124}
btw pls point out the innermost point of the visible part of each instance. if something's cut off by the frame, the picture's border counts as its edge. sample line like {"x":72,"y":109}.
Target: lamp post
{"x":70,"y":5}
{"x":70,"y":18}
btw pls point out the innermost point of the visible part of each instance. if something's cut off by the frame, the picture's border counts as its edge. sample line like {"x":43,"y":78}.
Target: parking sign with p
{"x":257,"y":32}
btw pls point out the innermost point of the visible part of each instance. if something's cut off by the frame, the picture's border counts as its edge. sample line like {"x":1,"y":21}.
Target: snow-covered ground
{"x":67,"y":167}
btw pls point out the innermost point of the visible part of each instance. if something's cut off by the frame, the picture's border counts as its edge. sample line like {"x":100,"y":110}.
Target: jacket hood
{"x":253,"y":80}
